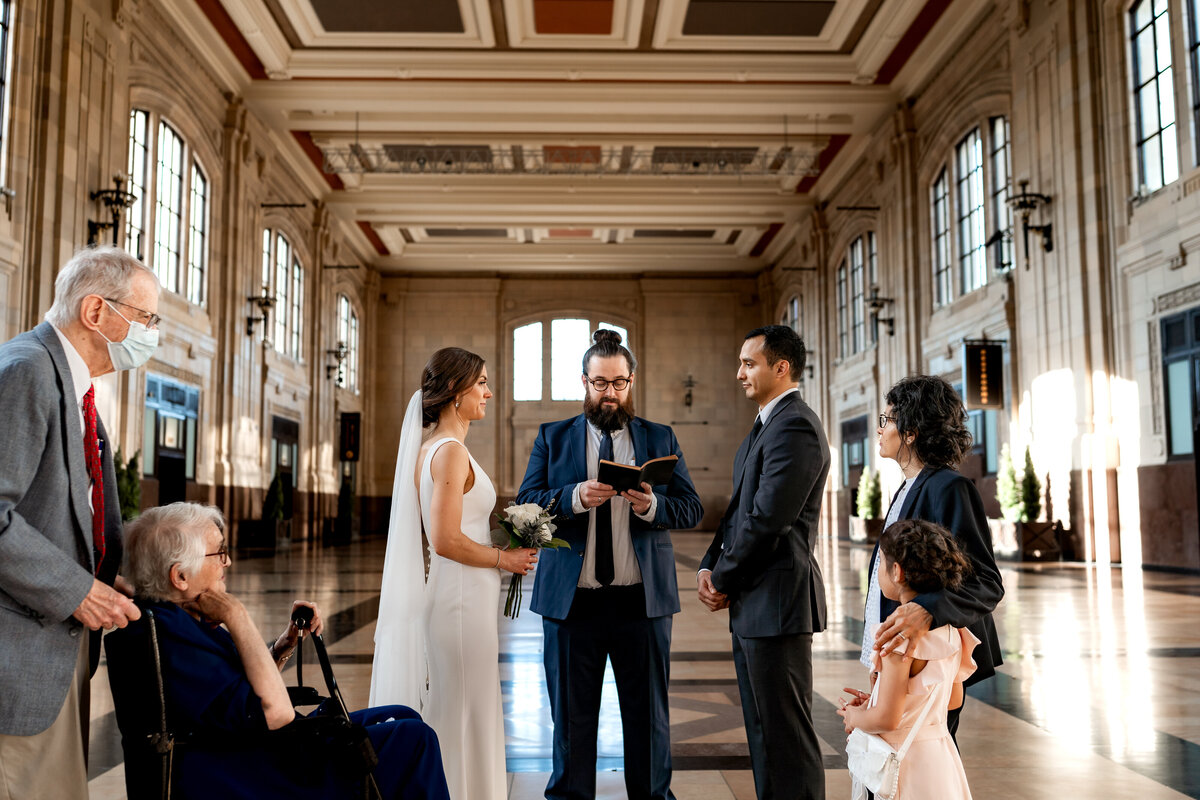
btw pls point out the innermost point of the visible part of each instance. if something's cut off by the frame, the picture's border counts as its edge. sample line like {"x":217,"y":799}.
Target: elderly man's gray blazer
{"x":46,"y":559}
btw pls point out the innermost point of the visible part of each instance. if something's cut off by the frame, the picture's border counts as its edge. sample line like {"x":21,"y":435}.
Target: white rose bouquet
{"x":526,"y":525}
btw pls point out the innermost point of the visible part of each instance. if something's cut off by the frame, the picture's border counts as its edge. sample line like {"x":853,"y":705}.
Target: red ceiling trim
{"x":912,"y":38}
{"x":836,"y":143}
{"x":318,"y":158}
{"x":763,"y":241}
{"x":234,"y":40}
{"x":373,"y":237}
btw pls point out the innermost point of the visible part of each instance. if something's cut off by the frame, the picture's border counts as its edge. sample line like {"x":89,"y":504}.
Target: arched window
{"x":1155,"y":131}
{"x":348,"y":335}
{"x":555,"y":360}
{"x":283,"y":276}
{"x":170,"y":188}
{"x":791,"y":316}
{"x":6,"y":68}
{"x":856,"y":272}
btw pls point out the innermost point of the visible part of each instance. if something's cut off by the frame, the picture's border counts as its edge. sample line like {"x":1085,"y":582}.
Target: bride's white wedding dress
{"x":436,"y":643}
{"x":465,"y":708}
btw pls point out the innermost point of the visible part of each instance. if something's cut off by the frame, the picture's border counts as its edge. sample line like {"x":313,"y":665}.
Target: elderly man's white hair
{"x":161,"y":537}
{"x":104,"y":270}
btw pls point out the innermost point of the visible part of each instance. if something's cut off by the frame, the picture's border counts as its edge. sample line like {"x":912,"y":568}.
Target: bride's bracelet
{"x":497,"y":558}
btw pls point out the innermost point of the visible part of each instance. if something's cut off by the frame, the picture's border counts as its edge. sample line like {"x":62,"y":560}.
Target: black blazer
{"x":944,"y":496}
{"x":762,"y":555}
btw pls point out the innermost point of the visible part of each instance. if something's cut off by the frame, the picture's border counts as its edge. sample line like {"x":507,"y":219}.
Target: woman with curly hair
{"x":924,"y":429}
{"x":917,"y":681}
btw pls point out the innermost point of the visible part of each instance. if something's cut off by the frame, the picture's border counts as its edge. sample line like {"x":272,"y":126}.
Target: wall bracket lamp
{"x":877,"y":304}
{"x":337,"y":369}
{"x":688,"y":384}
{"x":115,"y":200}
{"x":1025,"y":203}
{"x":264,"y":301}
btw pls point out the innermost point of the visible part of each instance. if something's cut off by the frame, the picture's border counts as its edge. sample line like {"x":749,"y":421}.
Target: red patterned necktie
{"x":91,"y":452}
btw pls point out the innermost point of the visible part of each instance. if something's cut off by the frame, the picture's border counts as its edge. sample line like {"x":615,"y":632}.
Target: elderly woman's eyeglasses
{"x":883,"y":420}
{"x":222,"y":555}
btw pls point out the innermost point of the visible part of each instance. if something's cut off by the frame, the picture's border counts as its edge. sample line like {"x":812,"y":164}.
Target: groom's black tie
{"x":757,"y":427}
{"x":604,"y":550}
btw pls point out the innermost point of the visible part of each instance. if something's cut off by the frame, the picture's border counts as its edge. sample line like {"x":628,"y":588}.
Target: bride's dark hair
{"x":449,"y":373}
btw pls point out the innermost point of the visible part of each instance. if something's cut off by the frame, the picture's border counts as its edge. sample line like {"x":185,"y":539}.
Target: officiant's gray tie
{"x":604,"y":551}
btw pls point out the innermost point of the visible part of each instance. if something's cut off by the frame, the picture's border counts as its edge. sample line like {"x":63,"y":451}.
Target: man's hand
{"x":640,"y":500}
{"x":708,"y":593}
{"x":910,"y":621}
{"x":105,"y":607}
{"x":123,"y":586}
{"x":593,"y":493}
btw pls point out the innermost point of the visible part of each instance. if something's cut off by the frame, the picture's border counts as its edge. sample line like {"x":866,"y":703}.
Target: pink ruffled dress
{"x":932,"y":769}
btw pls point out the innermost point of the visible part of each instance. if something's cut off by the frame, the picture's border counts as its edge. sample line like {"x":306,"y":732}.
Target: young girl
{"x":918,"y":557}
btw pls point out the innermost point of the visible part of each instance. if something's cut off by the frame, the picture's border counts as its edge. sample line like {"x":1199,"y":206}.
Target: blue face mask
{"x":135,"y":349}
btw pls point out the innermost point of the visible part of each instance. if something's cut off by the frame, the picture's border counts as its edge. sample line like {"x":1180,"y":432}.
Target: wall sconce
{"x":1025,"y":203}
{"x":265,"y":302}
{"x":339,"y":355}
{"x":114,"y":200}
{"x":808,"y":363}
{"x":877,"y":304}
{"x":688,"y":384}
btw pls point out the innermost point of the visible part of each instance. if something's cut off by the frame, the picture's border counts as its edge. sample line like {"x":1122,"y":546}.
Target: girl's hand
{"x":846,"y":712}
{"x":519,"y":560}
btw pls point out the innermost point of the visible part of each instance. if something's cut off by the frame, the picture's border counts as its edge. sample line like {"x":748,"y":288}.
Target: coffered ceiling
{"x":621,"y":136}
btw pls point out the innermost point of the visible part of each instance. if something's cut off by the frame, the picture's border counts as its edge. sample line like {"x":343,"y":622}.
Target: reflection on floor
{"x":1099,"y":695}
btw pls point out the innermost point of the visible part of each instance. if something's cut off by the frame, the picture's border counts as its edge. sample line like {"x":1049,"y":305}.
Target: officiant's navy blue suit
{"x":583,"y":628}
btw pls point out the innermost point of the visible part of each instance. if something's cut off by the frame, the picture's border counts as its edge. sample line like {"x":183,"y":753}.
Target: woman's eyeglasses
{"x":222,"y":554}
{"x":883,"y":420}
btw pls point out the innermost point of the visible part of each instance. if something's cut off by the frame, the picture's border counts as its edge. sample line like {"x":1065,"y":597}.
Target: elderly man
{"x":60,"y":519}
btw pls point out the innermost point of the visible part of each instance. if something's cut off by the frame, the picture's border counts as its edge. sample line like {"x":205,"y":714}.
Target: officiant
{"x":612,"y":595}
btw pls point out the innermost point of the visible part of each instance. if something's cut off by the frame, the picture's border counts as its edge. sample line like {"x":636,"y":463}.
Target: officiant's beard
{"x":608,"y":416}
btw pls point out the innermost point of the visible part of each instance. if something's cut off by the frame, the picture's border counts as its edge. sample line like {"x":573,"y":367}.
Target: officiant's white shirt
{"x":626,"y":571}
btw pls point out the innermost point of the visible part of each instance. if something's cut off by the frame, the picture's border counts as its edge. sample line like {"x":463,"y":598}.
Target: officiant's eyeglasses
{"x":222,"y":555}
{"x":600,"y":384}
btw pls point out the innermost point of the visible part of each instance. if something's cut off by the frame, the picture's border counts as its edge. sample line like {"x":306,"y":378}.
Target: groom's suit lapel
{"x":749,"y":448}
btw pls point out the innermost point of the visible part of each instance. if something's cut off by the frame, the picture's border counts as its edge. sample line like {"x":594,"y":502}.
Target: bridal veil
{"x":399,"y":674}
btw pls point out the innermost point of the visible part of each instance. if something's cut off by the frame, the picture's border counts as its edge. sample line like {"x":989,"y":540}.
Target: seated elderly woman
{"x":223,"y":685}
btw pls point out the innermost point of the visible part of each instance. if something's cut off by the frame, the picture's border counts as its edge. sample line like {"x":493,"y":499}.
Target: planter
{"x":865,"y":530}
{"x":1025,"y":541}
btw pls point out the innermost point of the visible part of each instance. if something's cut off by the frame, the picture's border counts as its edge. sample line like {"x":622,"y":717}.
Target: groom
{"x":762,"y":567}
{"x":612,"y":595}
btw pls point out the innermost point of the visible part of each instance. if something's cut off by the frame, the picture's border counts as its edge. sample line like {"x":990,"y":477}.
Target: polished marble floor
{"x":1099,"y":695}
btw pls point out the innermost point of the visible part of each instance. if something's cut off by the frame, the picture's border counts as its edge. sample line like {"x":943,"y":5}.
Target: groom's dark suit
{"x":631,"y":625}
{"x":763,"y":559}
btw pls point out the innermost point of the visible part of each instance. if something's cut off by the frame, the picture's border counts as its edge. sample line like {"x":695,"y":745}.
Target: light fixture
{"x":265,"y":301}
{"x":1025,"y":203}
{"x":114,"y":200}
{"x":877,"y":304}
{"x":688,"y":384}
{"x":339,"y":354}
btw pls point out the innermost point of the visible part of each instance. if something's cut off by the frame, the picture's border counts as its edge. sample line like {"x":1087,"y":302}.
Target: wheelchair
{"x":150,"y":743}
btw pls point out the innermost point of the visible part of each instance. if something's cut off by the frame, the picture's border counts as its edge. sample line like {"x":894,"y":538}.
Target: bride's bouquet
{"x":526,"y":525}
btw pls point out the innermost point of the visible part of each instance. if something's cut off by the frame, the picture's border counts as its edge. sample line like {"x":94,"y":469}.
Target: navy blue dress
{"x":210,"y":699}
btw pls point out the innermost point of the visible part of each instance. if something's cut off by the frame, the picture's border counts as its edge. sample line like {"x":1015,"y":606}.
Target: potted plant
{"x":1020,"y":534}
{"x":129,"y":485}
{"x":868,"y":523}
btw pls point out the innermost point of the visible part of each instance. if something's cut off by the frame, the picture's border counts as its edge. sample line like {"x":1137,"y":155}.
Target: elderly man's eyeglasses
{"x":149,"y":320}
{"x":600,"y":384}
{"x":222,"y":555}
{"x":883,"y":420}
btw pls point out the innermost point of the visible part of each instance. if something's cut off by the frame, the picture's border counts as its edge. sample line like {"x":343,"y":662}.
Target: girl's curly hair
{"x":928,"y":554}
{"x":929,"y":408}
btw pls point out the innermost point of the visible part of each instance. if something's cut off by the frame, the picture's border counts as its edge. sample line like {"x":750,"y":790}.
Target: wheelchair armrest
{"x":305,"y":696}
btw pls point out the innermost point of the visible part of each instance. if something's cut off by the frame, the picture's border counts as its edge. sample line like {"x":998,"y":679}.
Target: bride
{"x":436,"y":643}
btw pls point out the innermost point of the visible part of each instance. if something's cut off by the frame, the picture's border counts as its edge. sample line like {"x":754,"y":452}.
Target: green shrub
{"x":129,"y":485}
{"x":870,"y":496}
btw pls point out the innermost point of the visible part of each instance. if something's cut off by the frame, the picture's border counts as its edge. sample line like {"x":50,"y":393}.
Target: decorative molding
{"x":187,"y":376}
{"x":1156,"y":405}
{"x":1188,"y":295}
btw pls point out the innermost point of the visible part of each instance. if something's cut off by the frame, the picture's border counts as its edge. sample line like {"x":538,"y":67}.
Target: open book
{"x":656,"y":472}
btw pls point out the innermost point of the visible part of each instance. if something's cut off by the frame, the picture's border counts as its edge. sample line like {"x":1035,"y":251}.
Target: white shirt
{"x":81,"y":381}
{"x":765,"y":412}
{"x":626,"y":571}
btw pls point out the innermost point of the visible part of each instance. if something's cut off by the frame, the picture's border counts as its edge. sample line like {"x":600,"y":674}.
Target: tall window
{"x":972,"y":262}
{"x":168,"y":222}
{"x":348,"y":335}
{"x":1153,"y":94}
{"x":556,"y":360}
{"x":283,"y":276}
{"x":941,"y":240}
{"x":873,"y":275}
{"x":857,"y":323}
{"x":1001,"y":168}
{"x":5,"y":81}
{"x":1181,"y":373}
{"x":791,"y":315}
{"x":842,"y":312}
{"x":1193,"y":33}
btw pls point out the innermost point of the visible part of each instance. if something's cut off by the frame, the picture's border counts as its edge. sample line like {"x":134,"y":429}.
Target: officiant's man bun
{"x":608,"y":343}
{"x":450,"y":372}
